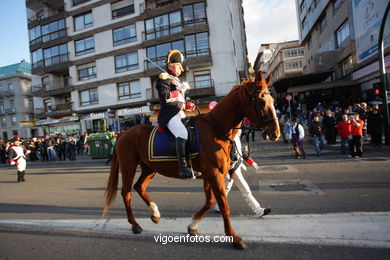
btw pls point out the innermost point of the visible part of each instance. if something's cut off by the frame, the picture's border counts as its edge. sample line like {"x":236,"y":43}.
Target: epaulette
{"x":164,"y":76}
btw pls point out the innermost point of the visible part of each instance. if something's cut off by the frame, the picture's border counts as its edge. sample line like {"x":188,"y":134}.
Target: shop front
{"x":129,"y":117}
{"x":100,"y":122}
{"x":66,"y":126}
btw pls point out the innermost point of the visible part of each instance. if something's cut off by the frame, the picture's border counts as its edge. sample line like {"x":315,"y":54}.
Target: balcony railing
{"x":207,"y":83}
{"x":52,"y":85}
{"x":51,"y":61}
{"x":8,"y":111}
{"x":6,"y":93}
{"x":49,"y":37}
{"x":170,"y":29}
{"x":55,"y":110}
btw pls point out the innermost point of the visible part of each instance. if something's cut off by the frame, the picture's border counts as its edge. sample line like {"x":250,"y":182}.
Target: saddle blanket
{"x":162,"y":145}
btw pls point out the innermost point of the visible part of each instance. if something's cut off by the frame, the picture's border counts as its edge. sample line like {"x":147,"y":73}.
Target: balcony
{"x":52,"y":88}
{"x":58,"y":110}
{"x":7,"y":93}
{"x":8,"y":111}
{"x":202,"y":88}
{"x":59,"y":63}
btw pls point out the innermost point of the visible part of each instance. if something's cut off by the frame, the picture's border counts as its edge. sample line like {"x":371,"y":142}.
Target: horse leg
{"x":128,"y":174}
{"x":193,"y":227}
{"x":218,"y":188}
{"x":141,"y":185}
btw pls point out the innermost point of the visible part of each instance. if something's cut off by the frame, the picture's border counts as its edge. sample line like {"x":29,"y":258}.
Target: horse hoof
{"x":192,"y":232}
{"x":155,"y":219}
{"x":240,"y":245}
{"x":137,"y":230}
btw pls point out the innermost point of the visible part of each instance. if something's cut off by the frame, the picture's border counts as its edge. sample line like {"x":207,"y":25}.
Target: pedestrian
{"x":344,"y":128}
{"x":297,"y":135}
{"x":235,"y":176}
{"x":375,"y":127}
{"x":113,"y":141}
{"x":317,"y":136}
{"x":71,"y":149}
{"x":330,"y":127}
{"x":17,"y":156}
{"x":85,"y":144}
{"x":357,"y":135}
{"x":287,"y":130}
{"x":61,"y":144}
{"x":3,"y":158}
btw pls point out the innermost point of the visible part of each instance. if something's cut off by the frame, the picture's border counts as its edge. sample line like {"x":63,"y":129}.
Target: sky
{"x":266,"y":21}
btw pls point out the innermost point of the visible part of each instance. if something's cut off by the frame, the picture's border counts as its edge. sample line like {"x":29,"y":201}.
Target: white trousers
{"x":175,"y":125}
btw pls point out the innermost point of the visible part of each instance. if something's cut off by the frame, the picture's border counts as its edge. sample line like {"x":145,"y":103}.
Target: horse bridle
{"x":258,"y":103}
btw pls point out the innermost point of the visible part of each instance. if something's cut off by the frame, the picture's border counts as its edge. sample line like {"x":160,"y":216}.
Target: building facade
{"x":16,"y":101}
{"x":340,"y":38}
{"x":97,"y":59}
{"x":263,"y":56}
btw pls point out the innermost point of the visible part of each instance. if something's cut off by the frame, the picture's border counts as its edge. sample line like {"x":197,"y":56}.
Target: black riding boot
{"x":19,"y":176}
{"x":184,"y":170}
{"x":23,"y":173}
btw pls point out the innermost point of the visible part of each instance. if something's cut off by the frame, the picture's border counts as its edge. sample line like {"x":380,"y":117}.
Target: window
{"x":87,"y":71}
{"x":4,"y":122}
{"x":47,"y":105}
{"x":302,"y":6}
{"x":12,"y":105}
{"x":89,"y":97}
{"x":30,"y":105}
{"x":202,"y":79}
{"x":13,"y":121}
{"x":163,"y":25}
{"x":1,"y":107}
{"x":37,"y":58}
{"x":194,"y":14}
{"x":56,"y":54}
{"x":346,"y":66}
{"x":342,"y":34}
{"x":126,"y":62}
{"x":1,"y":89}
{"x":122,"y":8}
{"x":337,"y":4}
{"x":124,"y":35}
{"x":293,"y":65}
{"x":159,"y":52}
{"x":53,"y":30}
{"x":84,"y":46}
{"x":35,"y":34}
{"x":127,"y":90}
{"x":304,"y":22}
{"x":11,"y":87}
{"x":323,"y":23}
{"x":79,"y":2}
{"x":294,"y":53}
{"x":197,"y":45}
{"x":83,"y":21}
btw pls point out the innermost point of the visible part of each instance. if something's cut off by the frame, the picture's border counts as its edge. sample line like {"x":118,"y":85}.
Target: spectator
{"x":113,"y":141}
{"x":316,"y":132}
{"x":375,"y":127}
{"x":3,"y":158}
{"x":329,"y":126}
{"x":71,"y":149}
{"x":287,"y":131}
{"x":344,"y":128}
{"x":357,"y":135}
{"x":297,"y":135}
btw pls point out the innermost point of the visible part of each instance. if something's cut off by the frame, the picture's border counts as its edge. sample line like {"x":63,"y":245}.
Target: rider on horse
{"x":171,"y":92}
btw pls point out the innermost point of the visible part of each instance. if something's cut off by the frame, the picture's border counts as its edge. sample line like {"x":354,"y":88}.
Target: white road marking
{"x":368,"y":229}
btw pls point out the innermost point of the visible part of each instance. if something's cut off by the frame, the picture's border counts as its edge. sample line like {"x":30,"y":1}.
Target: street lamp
{"x":384,"y":80}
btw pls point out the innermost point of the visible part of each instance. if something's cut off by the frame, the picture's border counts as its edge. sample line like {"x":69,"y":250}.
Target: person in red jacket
{"x":344,"y":128}
{"x":357,"y":135}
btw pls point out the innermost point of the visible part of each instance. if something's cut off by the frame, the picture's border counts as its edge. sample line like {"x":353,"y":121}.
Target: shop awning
{"x":203,"y":110}
{"x":324,"y":85}
{"x":282,"y":85}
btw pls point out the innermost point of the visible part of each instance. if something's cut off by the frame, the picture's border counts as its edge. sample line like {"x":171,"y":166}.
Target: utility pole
{"x":384,"y":79}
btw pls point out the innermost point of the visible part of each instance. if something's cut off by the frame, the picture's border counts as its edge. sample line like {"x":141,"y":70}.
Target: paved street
{"x":322,"y":207}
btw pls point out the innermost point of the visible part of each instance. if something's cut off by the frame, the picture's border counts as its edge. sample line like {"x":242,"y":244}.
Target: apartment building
{"x":263,"y":56}
{"x":16,"y":101}
{"x":93,"y":57}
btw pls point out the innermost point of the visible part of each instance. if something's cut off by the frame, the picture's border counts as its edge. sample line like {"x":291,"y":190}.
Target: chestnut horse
{"x":249,"y":99}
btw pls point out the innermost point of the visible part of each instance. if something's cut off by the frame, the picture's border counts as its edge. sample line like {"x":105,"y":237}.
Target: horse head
{"x":261,"y":110}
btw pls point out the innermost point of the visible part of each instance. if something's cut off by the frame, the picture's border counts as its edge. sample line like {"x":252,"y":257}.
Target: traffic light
{"x":377,"y":91}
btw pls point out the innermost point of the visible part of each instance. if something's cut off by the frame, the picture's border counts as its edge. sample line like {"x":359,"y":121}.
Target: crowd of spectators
{"x":50,"y":148}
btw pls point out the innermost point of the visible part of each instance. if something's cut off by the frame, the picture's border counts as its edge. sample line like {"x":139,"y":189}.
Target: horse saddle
{"x":162,"y":143}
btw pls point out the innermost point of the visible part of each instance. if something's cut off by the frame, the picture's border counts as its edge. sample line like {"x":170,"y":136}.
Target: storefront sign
{"x":111,"y":114}
{"x":100,"y":115}
{"x":28,"y":123}
{"x":133,"y":111}
{"x":369,"y":69}
{"x":57,"y":121}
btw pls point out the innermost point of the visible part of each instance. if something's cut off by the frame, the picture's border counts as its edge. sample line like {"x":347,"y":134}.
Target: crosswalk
{"x":360,"y":229}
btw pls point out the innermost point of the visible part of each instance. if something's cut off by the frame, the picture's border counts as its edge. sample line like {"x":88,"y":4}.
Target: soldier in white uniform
{"x":17,"y":156}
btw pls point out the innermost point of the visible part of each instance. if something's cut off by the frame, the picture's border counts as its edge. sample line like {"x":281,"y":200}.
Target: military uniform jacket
{"x":171,"y":99}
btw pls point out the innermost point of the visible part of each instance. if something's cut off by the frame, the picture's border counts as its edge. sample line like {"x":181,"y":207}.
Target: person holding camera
{"x":357,"y":135}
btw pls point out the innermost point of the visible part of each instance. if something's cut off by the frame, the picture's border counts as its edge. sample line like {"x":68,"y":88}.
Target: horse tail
{"x":112,"y":184}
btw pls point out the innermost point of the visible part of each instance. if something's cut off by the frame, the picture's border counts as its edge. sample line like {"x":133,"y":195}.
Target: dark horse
{"x":249,"y":99}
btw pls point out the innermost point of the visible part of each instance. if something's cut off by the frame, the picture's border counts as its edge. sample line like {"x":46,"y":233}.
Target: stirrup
{"x":189,"y":173}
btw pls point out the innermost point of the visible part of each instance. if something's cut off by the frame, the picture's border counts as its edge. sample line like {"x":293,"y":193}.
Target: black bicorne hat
{"x":175,"y":56}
